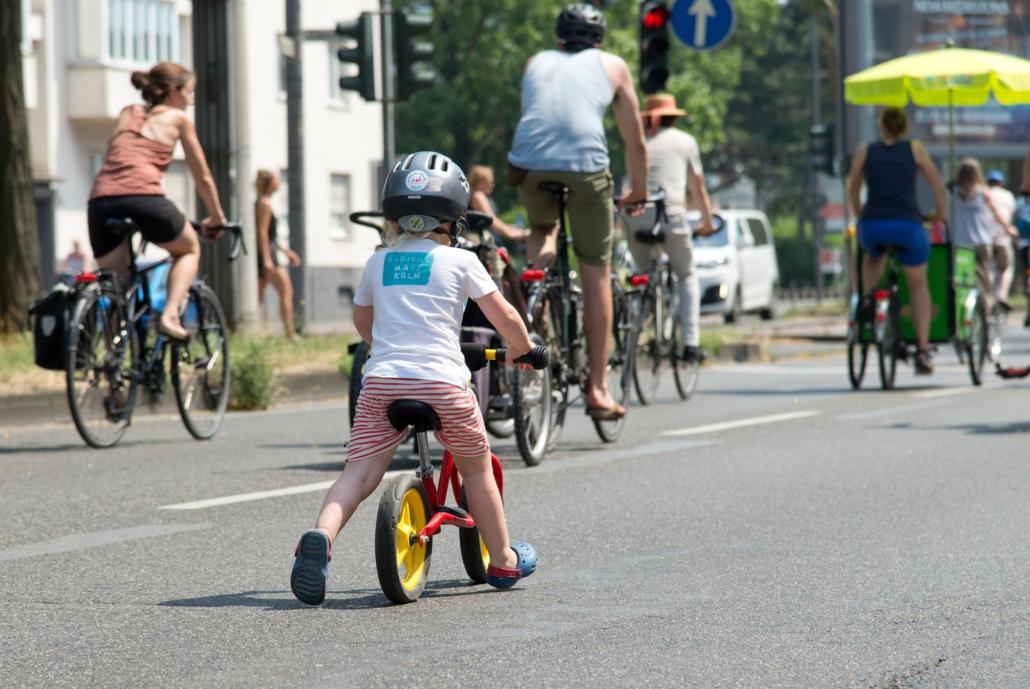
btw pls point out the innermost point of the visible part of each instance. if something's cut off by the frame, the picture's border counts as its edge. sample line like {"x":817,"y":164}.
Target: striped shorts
{"x":464,"y":433}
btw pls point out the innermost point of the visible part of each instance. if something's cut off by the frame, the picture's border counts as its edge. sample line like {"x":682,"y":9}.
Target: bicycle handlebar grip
{"x":538,"y":357}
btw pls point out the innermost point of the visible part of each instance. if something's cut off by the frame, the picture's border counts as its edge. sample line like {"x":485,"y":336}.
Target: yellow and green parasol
{"x":943,"y":78}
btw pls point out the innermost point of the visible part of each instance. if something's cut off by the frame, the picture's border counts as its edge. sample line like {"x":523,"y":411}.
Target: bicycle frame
{"x":557,"y":282}
{"x":441,"y":514}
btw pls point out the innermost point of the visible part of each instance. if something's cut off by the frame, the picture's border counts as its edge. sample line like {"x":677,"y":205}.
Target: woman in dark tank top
{"x":890,"y":219}
{"x":269,"y":270}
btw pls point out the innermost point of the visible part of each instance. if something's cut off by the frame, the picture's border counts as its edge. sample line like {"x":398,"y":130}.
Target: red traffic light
{"x":655,"y":17}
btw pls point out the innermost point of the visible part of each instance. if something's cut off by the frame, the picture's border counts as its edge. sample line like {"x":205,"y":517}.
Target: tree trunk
{"x":19,"y":244}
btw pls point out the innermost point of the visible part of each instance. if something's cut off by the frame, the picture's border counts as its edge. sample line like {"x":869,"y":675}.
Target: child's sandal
{"x":502,"y":578}
{"x":311,"y":567}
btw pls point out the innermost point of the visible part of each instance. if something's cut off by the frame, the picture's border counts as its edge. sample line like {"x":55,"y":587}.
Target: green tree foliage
{"x":747,"y":102}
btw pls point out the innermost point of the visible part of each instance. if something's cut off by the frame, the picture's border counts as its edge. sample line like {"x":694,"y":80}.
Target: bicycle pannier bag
{"x":52,"y":313}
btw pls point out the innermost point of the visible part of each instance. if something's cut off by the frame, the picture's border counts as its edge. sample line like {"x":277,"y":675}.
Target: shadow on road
{"x":781,"y":392}
{"x":366,"y":599}
{"x":68,"y":447}
{"x":969,"y":429}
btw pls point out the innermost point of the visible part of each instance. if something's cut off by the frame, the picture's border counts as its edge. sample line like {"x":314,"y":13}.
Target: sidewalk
{"x":52,"y":407}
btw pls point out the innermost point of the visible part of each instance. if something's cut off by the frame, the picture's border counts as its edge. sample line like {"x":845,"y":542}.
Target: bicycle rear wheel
{"x":101,"y":385}
{"x":649,"y":356}
{"x":402,"y":560}
{"x":357,"y":367}
{"x":887,"y":346}
{"x":532,"y":409}
{"x":200,"y":368}
{"x":684,"y":373}
{"x":979,"y":342}
{"x":620,"y":363}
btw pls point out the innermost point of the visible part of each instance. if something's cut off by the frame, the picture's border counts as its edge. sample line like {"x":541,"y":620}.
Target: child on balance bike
{"x":408,"y":307}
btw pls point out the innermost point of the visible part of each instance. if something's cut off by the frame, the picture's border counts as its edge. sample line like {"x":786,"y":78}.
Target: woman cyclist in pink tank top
{"x":129,"y":185}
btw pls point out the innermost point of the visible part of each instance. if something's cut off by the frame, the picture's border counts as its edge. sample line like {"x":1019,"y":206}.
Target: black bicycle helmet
{"x":580,"y":26}
{"x":424,"y":190}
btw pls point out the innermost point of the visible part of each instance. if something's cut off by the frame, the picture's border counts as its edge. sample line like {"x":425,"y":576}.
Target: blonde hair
{"x":263,"y":182}
{"x":161,"y":80}
{"x":479,"y":174}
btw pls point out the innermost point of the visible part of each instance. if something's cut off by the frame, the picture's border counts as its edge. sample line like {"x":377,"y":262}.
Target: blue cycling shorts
{"x":908,"y":236}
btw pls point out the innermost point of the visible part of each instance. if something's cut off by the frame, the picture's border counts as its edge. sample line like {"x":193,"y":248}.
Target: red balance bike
{"x":413,"y":510}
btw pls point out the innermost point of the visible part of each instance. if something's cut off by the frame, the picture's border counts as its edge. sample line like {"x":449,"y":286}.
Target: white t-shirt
{"x":670,"y":153}
{"x":1005,"y":203}
{"x":418,"y":290}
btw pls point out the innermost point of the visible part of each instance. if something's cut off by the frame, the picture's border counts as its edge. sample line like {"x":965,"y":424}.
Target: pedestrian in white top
{"x":674,"y":166}
{"x":1005,"y":204}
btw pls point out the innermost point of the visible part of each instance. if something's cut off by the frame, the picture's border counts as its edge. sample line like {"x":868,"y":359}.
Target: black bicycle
{"x":113,"y":347}
{"x":659,"y":330}
{"x":554,"y":314}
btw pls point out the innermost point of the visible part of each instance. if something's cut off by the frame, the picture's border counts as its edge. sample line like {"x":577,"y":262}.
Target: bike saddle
{"x":477,"y":221}
{"x":122,"y":227}
{"x":655,"y":236}
{"x":553,"y":187}
{"x":412,"y":413}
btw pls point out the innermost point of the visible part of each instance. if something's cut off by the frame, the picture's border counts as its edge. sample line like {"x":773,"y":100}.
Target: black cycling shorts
{"x":159,"y":220}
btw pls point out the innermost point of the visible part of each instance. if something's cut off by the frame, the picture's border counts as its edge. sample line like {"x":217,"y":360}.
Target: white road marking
{"x":741,"y":423}
{"x":942,"y":392}
{"x":891,"y":411}
{"x":599,"y":457}
{"x":263,"y":494}
{"x":96,"y":539}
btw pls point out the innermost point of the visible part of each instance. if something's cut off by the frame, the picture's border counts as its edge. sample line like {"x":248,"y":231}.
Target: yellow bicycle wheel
{"x":402,"y":561}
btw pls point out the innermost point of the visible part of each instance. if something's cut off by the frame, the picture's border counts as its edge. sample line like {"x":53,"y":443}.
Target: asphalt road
{"x":778,"y":530}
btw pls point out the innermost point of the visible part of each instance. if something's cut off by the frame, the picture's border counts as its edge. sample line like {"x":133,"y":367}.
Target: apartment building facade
{"x":79,"y":55}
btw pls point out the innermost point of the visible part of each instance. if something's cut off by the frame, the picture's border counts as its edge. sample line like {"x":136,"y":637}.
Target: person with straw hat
{"x":674,"y":165}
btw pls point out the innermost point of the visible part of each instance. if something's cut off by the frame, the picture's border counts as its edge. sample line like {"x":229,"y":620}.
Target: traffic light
{"x":413,"y":72}
{"x":359,"y":31}
{"x":654,"y":45}
{"x":820,"y":148}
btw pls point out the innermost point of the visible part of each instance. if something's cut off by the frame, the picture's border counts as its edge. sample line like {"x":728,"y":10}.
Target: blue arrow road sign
{"x":703,"y":24}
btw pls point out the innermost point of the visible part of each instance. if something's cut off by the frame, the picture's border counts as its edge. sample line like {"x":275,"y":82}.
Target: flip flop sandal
{"x":502,"y":578}
{"x":174,"y":337}
{"x":311,"y":567}
{"x":605,"y":413}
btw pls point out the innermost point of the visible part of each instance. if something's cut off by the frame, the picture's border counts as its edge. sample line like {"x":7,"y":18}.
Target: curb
{"x":18,"y":411}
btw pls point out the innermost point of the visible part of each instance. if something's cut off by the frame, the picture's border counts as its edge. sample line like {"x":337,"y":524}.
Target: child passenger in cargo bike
{"x":409,"y":306}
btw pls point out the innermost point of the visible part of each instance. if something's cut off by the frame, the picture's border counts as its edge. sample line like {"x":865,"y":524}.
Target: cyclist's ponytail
{"x":159,"y":82}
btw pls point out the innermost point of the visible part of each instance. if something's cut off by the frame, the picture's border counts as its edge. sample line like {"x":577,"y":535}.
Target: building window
{"x":138,"y":31}
{"x":339,"y":98}
{"x":339,"y":206}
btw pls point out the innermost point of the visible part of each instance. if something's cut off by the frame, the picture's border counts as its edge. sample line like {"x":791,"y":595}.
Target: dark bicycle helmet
{"x":580,"y":26}
{"x":424,"y":190}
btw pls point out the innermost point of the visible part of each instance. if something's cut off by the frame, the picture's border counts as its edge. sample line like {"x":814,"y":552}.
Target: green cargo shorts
{"x":589,"y":207}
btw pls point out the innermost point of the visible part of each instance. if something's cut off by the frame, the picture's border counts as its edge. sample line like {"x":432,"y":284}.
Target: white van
{"x":736,"y":266}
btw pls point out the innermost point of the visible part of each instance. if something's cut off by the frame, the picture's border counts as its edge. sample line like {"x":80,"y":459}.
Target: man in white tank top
{"x":560,"y":137}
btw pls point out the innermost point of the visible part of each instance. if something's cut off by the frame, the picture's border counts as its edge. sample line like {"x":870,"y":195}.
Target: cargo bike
{"x":958,"y":316}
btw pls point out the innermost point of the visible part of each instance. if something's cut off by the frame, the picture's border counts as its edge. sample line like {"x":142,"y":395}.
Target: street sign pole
{"x":813,"y":174}
{"x":389,"y":134}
